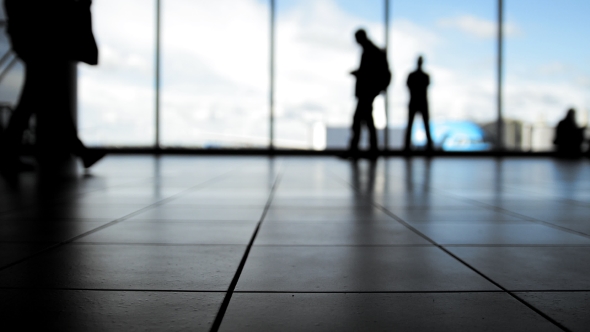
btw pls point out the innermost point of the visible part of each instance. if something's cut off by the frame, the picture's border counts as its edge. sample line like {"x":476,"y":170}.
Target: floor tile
{"x":46,"y":230}
{"x":214,"y":202}
{"x":320,"y":202}
{"x":337,"y":233}
{"x":12,"y":252}
{"x":356,"y":269}
{"x":531,"y":268}
{"x":67,"y":310}
{"x":125,"y":267}
{"x":469,"y":215}
{"x":325,"y":235}
{"x":580,"y":214}
{"x":381,"y":312}
{"x":568,"y":308}
{"x":408,"y":200}
{"x":201,"y":213}
{"x":527,"y":233}
{"x":573,"y":225}
{"x":204,"y":232}
{"x":346,"y":215}
{"x":73,"y":212}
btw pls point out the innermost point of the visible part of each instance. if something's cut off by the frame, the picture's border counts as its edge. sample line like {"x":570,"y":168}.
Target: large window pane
{"x":215,"y":73}
{"x":116,"y":98}
{"x":315,"y":53}
{"x":457,"y":39}
{"x":547,"y":69}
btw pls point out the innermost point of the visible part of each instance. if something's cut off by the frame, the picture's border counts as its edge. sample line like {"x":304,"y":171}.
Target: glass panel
{"x":458,"y":41}
{"x":215,"y":73}
{"x":315,"y":53}
{"x":11,"y":74}
{"x":116,"y":98}
{"x":547,"y":69}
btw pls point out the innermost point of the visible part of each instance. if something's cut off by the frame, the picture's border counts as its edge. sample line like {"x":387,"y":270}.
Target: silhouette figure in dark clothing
{"x":49,"y":37}
{"x":417,"y":83}
{"x":568,"y":136}
{"x":372,"y":77}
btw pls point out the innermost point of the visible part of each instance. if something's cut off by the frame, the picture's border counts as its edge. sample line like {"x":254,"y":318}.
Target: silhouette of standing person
{"x":49,"y":37}
{"x":417,"y":83}
{"x":568,"y":136}
{"x":372,"y":77}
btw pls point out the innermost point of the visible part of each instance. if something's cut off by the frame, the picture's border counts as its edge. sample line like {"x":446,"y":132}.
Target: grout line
{"x":416,"y":292}
{"x":526,"y":218}
{"x":530,"y":306}
{"x":112,"y":289}
{"x":371,"y":292}
{"x":424,"y":236}
{"x":545,"y":223}
{"x":232,"y":286}
{"x":160,"y":244}
{"x":289,"y":292}
{"x":460,"y":245}
{"x":114,"y":222}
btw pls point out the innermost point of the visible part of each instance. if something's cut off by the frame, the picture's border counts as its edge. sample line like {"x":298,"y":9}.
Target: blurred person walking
{"x":50,"y":37}
{"x":372,"y":77}
{"x":418,"y":82}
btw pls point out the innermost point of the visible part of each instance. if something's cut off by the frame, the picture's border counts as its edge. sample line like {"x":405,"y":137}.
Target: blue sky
{"x":548,"y":29}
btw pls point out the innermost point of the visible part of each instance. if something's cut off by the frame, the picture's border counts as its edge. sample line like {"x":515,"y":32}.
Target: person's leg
{"x":56,"y":122}
{"x":356,"y":127}
{"x":19,"y":121}
{"x":368,"y":117}
{"x":426,"y":119}
{"x":408,"y":140}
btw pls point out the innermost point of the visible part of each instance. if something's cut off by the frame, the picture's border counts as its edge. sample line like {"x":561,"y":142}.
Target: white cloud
{"x":479,"y":27}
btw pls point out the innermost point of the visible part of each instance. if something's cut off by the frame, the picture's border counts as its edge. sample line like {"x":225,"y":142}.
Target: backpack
{"x":385,"y":77}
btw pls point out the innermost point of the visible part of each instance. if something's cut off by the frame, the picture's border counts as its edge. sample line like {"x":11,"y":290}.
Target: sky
{"x":215,"y":66}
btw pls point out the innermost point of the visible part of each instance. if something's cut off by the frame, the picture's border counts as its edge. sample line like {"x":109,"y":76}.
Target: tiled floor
{"x":300,"y":244}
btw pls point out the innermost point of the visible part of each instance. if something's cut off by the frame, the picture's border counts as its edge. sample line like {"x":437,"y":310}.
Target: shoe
{"x":349,"y":154}
{"x":90,"y":157}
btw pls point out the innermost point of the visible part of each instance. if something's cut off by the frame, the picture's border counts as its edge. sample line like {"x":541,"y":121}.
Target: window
{"x":116,"y":98}
{"x":215,"y":73}
{"x":457,"y":39}
{"x":315,"y":53}
{"x":547,"y":69}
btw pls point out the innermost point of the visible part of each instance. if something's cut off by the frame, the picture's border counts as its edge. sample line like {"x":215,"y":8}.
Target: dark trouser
{"x":425,"y":117}
{"x":363,"y":114}
{"x":46,"y":93}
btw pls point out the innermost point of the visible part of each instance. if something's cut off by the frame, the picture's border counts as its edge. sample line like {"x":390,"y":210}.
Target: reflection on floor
{"x":300,"y":244}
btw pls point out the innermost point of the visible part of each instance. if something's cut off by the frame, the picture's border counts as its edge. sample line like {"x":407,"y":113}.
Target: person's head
{"x":420,"y":61}
{"x":571,"y":114}
{"x":361,"y":36}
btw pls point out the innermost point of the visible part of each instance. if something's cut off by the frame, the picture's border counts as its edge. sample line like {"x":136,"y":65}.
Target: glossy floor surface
{"x":300,"y":244}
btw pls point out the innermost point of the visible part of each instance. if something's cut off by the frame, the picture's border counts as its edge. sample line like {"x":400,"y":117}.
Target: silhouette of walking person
{"x":568,"y":136}
{"x":417,"y":83}
{"x":372,"y":77}
{"x":49,"y":37}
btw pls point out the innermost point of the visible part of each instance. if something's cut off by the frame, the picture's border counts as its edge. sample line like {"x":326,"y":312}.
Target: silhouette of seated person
{"x":418,"y":82}
{"x":48,"y":36}
{"x":372,"y":77}
{"x":568,"y":136}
